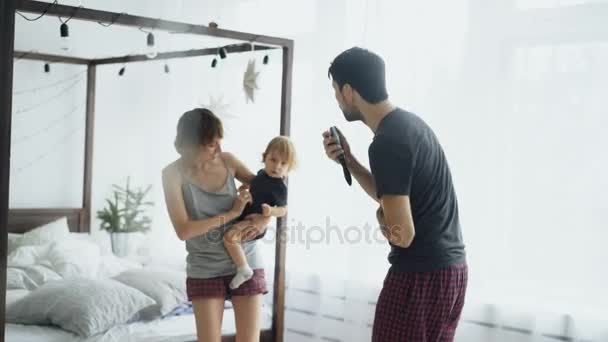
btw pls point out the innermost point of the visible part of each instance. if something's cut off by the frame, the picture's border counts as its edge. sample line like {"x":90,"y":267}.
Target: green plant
{"x":125,"y":211}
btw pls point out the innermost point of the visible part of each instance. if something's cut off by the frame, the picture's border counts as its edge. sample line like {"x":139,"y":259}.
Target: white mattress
{"x":171,"y":329}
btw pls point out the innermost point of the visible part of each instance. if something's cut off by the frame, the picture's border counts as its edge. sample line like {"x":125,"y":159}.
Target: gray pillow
{"x":165,"y":286}
{"x":83,"y":306}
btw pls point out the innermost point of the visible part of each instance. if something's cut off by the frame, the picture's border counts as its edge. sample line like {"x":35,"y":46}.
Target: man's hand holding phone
{"x":338,"y":150}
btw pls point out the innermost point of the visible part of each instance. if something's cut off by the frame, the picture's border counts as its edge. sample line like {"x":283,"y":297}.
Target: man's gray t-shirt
{"x":407,"y":159}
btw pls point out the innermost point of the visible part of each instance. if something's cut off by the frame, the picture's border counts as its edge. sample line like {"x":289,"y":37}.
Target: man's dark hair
{"x":363,"y":70}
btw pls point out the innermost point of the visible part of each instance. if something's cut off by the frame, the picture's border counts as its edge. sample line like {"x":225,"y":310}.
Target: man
{"x":424,"y":290}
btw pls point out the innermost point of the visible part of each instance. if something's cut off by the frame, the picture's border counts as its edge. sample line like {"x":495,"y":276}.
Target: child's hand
{"x":243,"y":197}
{"x":266,"y":210}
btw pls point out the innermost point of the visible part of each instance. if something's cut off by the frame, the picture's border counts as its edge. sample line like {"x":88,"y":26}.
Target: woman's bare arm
{"x":241,"y":172}
{"x":185,"y":228}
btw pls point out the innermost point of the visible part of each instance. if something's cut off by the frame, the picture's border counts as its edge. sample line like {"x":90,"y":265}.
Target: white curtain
{"x":513,"y":90}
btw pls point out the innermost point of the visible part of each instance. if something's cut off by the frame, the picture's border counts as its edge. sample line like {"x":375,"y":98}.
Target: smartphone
{"x":333,"y":131}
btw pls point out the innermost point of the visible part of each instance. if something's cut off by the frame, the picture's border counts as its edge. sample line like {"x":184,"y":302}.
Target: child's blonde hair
{"x":284,"y":149}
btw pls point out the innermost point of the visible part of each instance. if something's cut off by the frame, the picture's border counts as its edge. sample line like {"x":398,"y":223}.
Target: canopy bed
{"x":79,"y":219}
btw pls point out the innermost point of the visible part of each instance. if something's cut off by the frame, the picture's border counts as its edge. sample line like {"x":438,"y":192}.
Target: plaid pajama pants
{"x":219,"y":287}
{"x":420,"y":307}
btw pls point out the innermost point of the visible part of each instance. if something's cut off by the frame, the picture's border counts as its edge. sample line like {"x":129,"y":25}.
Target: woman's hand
{"x":243,"y":197}
{"x":257,"y":225}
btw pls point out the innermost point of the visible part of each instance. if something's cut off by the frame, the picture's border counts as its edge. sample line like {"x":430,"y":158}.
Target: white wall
{"x":47,"y":135}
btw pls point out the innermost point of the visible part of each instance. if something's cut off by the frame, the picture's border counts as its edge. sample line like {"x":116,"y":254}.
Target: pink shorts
{"x":219,"y":287}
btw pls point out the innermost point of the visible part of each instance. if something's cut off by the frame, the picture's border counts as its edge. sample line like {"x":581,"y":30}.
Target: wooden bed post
{"x":7,"y":39}
{"x":278,"y":310}
{"x":84,"y":224}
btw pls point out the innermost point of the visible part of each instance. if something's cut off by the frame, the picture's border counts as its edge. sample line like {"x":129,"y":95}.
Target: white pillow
{"x":165,"y":286}
{"x":83,"y":306}
{"x":13,"y":296}
{"x":111,"y":265}
{"x":53,"y":231}
{"x":74,"y":258}
{"x":15,"y":279}
{"x":29,"y":277}
{"x":27,"y":255}
{"x":69,"y":258}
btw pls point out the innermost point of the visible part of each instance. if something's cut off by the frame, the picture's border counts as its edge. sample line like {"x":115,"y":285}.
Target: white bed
{"x":171,"y":329}
{"x":51,"y":258}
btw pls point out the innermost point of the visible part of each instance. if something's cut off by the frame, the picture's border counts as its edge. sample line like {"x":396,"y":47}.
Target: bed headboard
{"x":23,"y":220}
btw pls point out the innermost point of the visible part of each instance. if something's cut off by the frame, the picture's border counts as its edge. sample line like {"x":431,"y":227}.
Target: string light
{"x":64,"y":32}
{"x":47,"y":68}
{"x":49,"y":99}
{"x":166,"y":68}
{"x":151,"y":50}
{"x":54,"y":148}
{"x":51,"y":85}
{"x":223,"y":53}
{"x":41,"y":15}
{"x":113,"y":20}
{"x":48,"y":127}
{"x":150,"y":39}
{"x":150,"y":43}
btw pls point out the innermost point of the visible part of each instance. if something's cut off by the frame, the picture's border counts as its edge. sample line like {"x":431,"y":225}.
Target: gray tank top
{"x":207,"y":257}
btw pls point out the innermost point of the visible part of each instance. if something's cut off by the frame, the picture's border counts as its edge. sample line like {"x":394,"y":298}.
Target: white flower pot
{"x":120,"y":243}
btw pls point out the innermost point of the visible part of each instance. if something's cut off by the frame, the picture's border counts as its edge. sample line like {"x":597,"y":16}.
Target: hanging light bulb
{"x":121,"y":71}
{"x":214,"y":63}
{"x":166,"y":68}
{"x":151,"y":49}
{"x":47,"y":68}
{"x":265,"y":60}
{"x":65,"y":34}
{"x":223,"y":53}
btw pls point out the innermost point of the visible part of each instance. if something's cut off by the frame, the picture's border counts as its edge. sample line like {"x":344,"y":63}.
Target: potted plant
{"x":124,"y":214}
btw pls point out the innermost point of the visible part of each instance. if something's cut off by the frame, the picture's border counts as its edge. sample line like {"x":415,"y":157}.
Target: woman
{"x":203,"y":201}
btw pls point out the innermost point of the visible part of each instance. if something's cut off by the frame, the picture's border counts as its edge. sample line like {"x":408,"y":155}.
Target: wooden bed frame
{"x":79,"y":219}
{"x":23,"y":220}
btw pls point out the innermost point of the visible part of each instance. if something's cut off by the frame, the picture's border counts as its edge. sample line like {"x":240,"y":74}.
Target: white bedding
{"x":13,"y":296}
{"x":51,"y":252}
{"x":171,"y":329}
